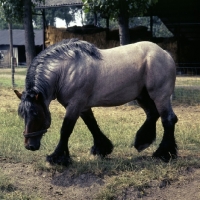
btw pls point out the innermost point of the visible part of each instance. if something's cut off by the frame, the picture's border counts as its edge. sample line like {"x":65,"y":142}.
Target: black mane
{"x":26,"y":103}
{"x":66,"y":49}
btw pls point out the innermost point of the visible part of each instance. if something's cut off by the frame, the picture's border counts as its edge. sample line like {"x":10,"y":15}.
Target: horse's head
{"x":36,"y":118}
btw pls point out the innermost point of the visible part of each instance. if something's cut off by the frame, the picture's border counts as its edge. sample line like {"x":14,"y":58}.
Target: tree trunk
{"x":95,"y":19}
{"x":11,"y":55}
{"x":123,"y":20}
{"x":52,"y":20}
{"x":29,"y":34}
{"x":44,"y":27}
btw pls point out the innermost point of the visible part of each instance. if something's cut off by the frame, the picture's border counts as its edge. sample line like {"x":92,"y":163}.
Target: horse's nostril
{"x":30,"y":147}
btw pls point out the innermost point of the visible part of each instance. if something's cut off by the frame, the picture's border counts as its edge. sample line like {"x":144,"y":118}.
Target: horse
{"x":81,"y":76}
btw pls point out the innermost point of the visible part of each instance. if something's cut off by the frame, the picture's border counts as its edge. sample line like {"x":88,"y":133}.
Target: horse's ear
{"x":19,"y":95}
{"x":36,"y":97}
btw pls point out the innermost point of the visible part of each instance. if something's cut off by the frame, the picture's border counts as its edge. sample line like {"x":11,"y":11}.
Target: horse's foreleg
{"x":61,"y":154}
{"x":147,"y":133}
{"x":102,"y":145}
{"x":167,"y":149}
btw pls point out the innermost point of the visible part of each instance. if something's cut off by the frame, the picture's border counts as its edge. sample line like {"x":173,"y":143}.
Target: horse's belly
{"x":106,"y":97}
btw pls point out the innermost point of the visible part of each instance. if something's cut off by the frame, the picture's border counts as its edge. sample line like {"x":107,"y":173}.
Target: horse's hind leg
{"x":167,"y":149}
{"x":147,"y":133}
{"x":102,"y":145}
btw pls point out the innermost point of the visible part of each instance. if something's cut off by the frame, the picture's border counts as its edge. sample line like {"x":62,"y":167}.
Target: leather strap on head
{"x":34,"y":134}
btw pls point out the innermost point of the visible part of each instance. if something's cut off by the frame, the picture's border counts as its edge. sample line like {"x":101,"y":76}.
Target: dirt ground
{"x":62,"y":186}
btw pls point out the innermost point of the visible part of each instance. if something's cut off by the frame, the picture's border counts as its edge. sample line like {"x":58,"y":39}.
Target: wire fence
{"x":187,"y":89}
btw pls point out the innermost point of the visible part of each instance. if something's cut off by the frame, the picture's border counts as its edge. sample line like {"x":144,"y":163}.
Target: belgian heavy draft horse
{"x":81,"y":76}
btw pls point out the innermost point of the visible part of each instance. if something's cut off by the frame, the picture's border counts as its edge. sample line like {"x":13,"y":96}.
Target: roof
{"x":19,"y":38}
{"x":59,"y":3}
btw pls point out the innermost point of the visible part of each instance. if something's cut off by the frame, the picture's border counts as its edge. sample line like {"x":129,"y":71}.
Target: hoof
{"x":165,"y":156}
{"x":144,"y":140}
{"x":58,"y":159}
{"x":102,"y":149}
{"x":141,"y":147}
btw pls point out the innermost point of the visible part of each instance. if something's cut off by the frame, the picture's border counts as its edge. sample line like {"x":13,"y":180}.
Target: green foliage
{"x":111,"y":8}
{"x":12,"y":10}
{"x":65,"y":13}
{"x":119,"y":10}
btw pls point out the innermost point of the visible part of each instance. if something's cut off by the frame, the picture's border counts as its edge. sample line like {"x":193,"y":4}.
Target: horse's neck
{"x":48,"y":88}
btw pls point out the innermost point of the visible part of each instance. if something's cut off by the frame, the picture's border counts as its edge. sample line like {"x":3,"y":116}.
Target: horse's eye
{"x":35,"y":113}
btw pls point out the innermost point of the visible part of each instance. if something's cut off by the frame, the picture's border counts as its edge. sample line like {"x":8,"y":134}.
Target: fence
{"x":187,"y":89}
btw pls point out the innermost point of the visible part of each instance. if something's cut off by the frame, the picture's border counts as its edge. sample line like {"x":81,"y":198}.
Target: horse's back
{"x":124,"y":71}
{"x":137,"y":51}
{"x":141,"y":56}
{"x":142,"y":59}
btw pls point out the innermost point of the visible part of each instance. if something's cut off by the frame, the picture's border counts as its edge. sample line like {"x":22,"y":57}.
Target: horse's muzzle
{"x":32,"y":140}
{"x":32,"y":147}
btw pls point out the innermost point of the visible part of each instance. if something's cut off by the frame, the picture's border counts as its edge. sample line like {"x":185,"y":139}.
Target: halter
{"x":34,"y":134}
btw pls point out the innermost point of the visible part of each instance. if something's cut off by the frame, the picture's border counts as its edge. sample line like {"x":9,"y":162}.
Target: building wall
{"x":18,"y":53}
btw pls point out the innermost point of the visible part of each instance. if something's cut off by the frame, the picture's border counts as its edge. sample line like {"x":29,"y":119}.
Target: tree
{"x":21,"y":11}
{"x":120,"y":10}
{"x":29,"y":34}
{"x":65,"y":13}
{"x":4,"y":23}
{"x":9,"y":15}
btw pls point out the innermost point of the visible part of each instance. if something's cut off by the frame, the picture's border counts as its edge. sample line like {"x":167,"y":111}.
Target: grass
{"x":124,"y":168}
{"x":18,"y":71}
{"x":187,"y":90}
{"x":5,"y":77}
{"x":188,"y":81}
{"x":9,"y":191}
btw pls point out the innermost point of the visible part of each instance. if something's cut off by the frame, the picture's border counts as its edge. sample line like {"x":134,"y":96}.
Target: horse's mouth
{"x":32,"y":147}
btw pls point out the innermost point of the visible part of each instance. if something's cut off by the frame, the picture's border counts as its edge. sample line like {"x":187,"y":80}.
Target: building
{"x":18,"y":46}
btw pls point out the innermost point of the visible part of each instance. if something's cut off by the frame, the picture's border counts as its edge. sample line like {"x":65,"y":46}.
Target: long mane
{"x":66,"y":49}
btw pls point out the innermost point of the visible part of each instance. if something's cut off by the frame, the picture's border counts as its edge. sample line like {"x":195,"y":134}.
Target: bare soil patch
{"x":52,"y":185}
{"x":55,"y":185}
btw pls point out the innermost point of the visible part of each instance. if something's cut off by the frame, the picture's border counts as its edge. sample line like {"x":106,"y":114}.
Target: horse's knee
{"x":169,"y":118}
{"x":175,"y":119}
